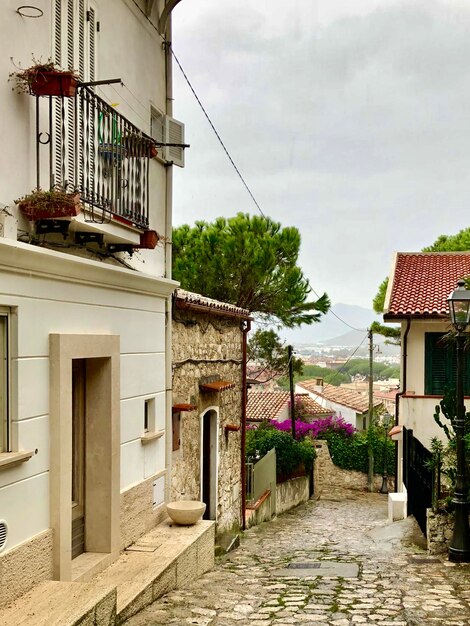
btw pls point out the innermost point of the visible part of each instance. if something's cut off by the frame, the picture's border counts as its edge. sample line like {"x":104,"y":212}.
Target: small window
{"x":4,"y":382}
{"x":149,"y":415}
{"x":176,"y":431}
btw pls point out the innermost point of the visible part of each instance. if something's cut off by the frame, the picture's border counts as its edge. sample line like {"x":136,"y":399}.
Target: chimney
{"x":319,"y":384}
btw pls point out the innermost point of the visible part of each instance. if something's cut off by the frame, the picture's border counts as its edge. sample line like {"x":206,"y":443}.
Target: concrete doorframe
{"x":102,"y":462}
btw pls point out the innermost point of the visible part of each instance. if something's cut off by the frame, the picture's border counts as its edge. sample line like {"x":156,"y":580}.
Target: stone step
{"x":166,"y":558}
{"x":54,"y":603}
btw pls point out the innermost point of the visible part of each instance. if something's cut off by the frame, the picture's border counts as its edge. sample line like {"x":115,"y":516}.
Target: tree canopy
{"x":248,"y":261}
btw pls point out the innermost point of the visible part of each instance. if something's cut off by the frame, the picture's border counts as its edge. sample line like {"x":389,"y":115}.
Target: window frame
{"x":5,"y":381}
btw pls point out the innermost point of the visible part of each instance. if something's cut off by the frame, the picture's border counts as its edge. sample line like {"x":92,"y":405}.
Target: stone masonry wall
{"x":204,"y":346}
{"x":327,"y":474}
{"x":24,"y":566}
{"x":439,"y":529}
{"x":137,"y":515}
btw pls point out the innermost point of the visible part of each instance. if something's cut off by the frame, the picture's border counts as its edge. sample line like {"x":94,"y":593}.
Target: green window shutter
{"x":437,"y":365}
{"x":440,"y":365}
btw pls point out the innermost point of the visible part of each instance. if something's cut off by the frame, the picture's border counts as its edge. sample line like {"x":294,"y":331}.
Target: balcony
{"x":94,"y":149}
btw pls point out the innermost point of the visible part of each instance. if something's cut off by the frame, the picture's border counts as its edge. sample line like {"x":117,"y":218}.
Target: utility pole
{"x":370,"y":479}
{"x":290,"y":356}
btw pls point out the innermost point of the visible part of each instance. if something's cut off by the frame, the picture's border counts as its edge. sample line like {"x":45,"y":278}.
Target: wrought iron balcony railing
{"x":97,"y":151}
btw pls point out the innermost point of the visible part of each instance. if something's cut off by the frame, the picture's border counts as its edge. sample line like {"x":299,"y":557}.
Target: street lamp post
{"x":459,"y":310}
{"x":386,"y":417}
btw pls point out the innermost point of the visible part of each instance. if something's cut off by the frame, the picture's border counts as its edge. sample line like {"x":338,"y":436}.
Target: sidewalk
{"x":352,"y":567}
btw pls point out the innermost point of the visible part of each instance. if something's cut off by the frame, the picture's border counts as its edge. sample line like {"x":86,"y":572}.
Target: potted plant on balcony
{"x":46,"y":79}
{"x":52,"y":204}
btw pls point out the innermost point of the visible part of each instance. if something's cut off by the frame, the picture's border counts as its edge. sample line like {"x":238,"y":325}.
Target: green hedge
{"x":352,"y":453}
{"x":290,"y":454}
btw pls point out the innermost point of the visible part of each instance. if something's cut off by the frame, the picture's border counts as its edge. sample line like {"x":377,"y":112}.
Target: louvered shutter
{"x":174,"y":133}
{"x":57,"y":173}
{"x":440,"y":365}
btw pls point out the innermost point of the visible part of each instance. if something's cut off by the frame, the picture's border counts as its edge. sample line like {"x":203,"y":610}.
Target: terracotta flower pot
{"x":54,"y":210}
{"x":54,"y":84}
{"x":149,"y":239}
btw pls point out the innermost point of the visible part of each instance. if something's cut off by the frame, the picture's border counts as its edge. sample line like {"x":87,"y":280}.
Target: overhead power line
{"x":217,"y":134}
{"x":341,"y":369}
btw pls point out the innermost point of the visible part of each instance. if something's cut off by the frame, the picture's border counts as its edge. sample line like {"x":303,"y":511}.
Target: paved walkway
{"x":397,"y":583}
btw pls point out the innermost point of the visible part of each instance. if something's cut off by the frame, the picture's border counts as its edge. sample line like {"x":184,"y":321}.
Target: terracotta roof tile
{"x":421,"y":283}
{"x":340,"y":395}
{"x":268,"y":405}
{"x":188,"y":299}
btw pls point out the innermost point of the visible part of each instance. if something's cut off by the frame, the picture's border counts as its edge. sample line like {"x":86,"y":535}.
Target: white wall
{"x":348,"y":414}
{"x":416,"y":410}
{"x":48,"y":301}
{"x":127,"y":47}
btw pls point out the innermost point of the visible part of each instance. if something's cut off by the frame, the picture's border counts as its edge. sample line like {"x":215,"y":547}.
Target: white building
{"x":84,"y":325}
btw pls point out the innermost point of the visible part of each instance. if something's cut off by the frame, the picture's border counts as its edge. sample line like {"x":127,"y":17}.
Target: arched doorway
{"x":209,"y":462}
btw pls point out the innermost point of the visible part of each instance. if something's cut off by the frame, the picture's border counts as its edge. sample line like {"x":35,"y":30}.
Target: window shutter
{"x":440,"y":366}
{"x":91,"y":43}
{"x":57,"y":177}
{"x":174,"y":133}
{"x":437,"y":375}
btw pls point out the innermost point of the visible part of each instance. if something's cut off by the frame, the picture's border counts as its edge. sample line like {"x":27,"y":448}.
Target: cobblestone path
{"x":397,"y":583}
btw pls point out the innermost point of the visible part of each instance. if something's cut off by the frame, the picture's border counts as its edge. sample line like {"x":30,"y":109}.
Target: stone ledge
{"x":148,"y":437}
{"x":54,"y":603}
{"x":10,"y":459}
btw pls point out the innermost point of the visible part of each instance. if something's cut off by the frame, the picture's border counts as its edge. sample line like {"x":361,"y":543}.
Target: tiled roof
{"x":268,"y":405}
{"x":187,"y":299}
{"x":422,"y":281}
{"x":340,"y":395}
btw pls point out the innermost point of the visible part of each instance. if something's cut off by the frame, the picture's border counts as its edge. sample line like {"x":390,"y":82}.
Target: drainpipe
{"x":168,"y":262}
{"x":245,"y":329}
{"x":403,"y":390}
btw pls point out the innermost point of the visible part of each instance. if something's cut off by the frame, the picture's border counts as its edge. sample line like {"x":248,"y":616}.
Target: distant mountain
{"x":331,"y":327}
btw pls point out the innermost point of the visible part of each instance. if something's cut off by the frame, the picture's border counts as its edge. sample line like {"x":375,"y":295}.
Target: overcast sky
{"x":349,"y":119}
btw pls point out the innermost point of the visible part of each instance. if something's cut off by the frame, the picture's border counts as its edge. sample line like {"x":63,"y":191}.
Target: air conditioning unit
{"x":3,"y":534}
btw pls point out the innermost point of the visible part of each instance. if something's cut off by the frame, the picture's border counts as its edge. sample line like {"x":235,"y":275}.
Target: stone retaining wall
{"x":291,"y":493}
{"x":327,"y":474}
{"x":439,"y":529}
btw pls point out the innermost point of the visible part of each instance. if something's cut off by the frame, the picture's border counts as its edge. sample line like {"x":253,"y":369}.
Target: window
{"x":4,"y":382}
{"x":149,"y":415}
{"x":440,"y":365}
{"x":176,"y":423}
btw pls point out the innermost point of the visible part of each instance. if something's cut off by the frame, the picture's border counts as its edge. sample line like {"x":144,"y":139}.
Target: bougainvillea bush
{"x":349,"y":448}
{"x":318,"y":428}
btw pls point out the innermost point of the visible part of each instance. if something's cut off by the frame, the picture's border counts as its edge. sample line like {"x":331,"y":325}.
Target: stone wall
{"x":137,"y":515}
{"x":208,"y":346}
{"x":327,"y":474}
{"x":291,"y":493}
{"x":439,"y":529}
{"x":25,"y":566}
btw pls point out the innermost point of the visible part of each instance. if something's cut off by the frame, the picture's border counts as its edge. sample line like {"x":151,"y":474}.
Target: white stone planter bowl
{"x":186,"y":512}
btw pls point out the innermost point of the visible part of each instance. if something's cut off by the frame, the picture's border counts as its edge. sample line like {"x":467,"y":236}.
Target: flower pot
{"x":54,"y":209}
{"x":54,"y":84}
{"x":149,"y":239}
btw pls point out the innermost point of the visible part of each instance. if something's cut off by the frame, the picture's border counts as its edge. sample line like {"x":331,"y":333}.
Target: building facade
{"x":86,"y":350}
{"x":208,"y":398}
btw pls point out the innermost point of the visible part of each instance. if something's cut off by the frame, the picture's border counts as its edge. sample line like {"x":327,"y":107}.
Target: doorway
{"x":209,"y":465}
{"x":78,"y":455}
